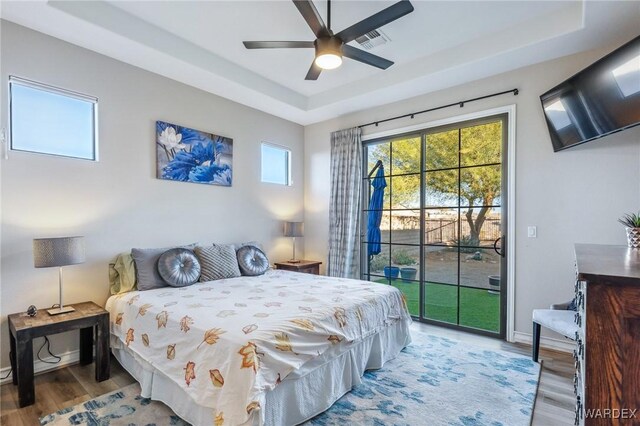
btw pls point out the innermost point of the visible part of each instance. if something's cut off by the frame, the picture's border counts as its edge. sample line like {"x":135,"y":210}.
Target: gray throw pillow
{"x":179,"y":267}
{"x":252,"y":261}
{"x":146,"y":261}
{"x":217,"y":262}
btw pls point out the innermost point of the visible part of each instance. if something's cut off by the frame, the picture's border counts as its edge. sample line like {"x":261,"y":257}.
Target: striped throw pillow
{"x":217,"y":262}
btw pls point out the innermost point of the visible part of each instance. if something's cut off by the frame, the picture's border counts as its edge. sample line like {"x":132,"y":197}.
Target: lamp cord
{"x":8,"y":374}
{"x":52,"y":355}
{"x":46,"y":343}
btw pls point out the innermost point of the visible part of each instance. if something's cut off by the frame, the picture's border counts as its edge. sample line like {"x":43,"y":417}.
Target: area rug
{"x":435,"y":381}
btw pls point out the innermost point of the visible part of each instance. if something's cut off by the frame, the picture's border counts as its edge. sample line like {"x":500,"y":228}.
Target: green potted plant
{"x":631,"y":221}
{"x":402,"y":258}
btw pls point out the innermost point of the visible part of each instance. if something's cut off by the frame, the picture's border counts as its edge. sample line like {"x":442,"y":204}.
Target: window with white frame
{"x":276,"y":164}
{"x":49,"y":120}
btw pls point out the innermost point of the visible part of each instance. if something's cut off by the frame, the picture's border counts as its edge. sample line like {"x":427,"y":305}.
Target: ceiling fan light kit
{"x":330,"y":48}
{"x":328,"y":53}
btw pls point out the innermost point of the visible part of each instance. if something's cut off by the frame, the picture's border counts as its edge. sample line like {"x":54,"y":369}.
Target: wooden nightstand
{"x":305,"y":266}
{"x":23,"y":329}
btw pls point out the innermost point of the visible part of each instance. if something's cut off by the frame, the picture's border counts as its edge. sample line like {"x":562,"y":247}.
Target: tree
{"x":478,"y":187}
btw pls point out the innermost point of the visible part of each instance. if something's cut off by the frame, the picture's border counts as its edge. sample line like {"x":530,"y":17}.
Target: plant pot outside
{"x":633,"y":237}
{"x":391,"y":272}
{"x":494,"y":284}
{"x":408,"y":274}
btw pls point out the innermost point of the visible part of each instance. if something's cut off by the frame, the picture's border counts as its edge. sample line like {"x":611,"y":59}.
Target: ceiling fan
{"x":330,"y":47}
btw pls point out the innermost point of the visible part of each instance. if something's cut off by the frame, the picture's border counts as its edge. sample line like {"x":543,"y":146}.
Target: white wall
{"x":571,"y":196}
{"x":118,"y":203}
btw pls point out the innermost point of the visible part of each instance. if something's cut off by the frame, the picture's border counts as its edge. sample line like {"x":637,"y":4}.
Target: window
{"x":276,"y":164}
{"x":49,"y":120}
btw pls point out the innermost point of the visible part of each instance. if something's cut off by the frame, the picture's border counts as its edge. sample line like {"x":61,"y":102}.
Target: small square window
{"x":48,"y":120}
{"x":276,"y":164}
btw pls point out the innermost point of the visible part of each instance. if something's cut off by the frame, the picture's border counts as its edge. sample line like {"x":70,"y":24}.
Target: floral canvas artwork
{"x":189,"y":155}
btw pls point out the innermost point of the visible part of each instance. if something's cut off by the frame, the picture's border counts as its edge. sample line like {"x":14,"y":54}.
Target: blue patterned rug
{"x":438,"y":381}
{"x":434,"y":381}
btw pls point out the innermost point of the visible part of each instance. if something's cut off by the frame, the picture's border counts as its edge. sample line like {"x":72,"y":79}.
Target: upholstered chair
{"x":557,"y":318}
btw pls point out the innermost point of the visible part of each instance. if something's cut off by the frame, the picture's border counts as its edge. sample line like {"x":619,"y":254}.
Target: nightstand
{"x":305,"y":266}
{"x":23,"y":329}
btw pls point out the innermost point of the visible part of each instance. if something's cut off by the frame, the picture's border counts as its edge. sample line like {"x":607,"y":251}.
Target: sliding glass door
{"x":442,"y":222}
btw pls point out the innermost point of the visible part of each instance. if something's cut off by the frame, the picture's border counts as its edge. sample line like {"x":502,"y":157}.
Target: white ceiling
{"x":416,"y":35}
{"x":440,"y":44}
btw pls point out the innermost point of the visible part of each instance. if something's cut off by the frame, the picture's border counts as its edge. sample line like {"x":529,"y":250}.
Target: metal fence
{"x":444,"y":230}
{"x":438,"y":230}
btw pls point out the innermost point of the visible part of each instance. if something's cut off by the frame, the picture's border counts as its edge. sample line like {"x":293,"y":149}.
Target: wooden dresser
{"x":607,"y":355}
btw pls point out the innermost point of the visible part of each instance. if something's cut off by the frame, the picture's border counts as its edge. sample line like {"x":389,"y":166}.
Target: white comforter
{"x":227,"y":342}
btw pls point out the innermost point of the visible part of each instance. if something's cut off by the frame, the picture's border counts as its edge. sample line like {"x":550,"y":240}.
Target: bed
{"x":276,"y":349}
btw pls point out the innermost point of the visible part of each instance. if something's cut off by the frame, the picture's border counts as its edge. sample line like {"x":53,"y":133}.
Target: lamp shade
{"x":63,"y":251}
{"x":294,"y":229}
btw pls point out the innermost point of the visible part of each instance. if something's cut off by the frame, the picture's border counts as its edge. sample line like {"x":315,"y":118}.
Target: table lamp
{"x":294,"y":229}
{"x":49,"y":252}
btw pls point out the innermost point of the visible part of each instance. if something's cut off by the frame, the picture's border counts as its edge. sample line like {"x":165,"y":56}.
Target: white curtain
{"x":344,"y":210}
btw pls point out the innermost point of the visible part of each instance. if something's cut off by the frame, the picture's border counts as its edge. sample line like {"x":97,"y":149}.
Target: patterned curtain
{"x":344,"y":210}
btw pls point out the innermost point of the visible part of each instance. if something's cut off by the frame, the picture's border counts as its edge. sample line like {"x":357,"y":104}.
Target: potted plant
{"x":391,"y":272}
{"x":402,"y":258}
{"x":631,"y":221}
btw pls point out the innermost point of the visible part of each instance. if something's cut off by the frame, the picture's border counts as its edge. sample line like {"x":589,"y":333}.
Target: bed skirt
{"x":301,"y":395}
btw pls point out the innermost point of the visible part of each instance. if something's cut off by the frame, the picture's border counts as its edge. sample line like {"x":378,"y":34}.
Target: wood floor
{"x":59,"y":389}
{"x":74,"y":384}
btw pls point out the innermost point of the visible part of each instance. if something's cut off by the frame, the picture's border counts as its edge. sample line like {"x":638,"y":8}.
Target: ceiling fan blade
{"x":278,"y":44}
{"x":365,"y":57}
{"x":314,"y":72}
{"x":313,"y":18}
{"x":393,"y":12}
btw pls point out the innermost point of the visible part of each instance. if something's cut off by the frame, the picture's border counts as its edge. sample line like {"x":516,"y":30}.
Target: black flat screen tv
{"x":599,"y":100}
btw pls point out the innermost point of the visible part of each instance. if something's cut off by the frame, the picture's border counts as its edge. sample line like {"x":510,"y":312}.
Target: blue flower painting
{"x":189,"y":155}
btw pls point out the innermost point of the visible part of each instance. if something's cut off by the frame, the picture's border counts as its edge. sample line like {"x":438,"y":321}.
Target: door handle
{"x":500,"y":251}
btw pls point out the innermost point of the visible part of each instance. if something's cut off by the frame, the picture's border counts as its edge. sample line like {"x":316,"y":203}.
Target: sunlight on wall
{"x":318,"y":170}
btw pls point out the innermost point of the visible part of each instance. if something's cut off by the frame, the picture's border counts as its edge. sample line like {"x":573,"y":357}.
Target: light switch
{"x":532,"y":231}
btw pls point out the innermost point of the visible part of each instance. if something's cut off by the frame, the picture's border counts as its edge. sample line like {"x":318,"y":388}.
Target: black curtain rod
{"x":460,"y":104}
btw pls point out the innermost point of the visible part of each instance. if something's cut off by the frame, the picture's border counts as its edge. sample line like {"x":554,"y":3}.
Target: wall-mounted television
{"x":599,"y":100}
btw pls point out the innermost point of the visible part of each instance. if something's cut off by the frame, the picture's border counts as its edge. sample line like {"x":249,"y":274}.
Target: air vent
{"x":373,"y":39}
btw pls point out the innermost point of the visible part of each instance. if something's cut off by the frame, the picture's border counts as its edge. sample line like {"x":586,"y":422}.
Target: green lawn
{"x":478,"y":308}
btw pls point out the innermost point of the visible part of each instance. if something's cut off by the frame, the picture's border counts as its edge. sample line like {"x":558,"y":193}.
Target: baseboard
{"x":564,"y":345}
{"x":67,"y":358}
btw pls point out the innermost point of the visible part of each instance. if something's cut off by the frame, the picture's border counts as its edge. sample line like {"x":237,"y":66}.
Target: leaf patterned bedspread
{"x":227,"y":342}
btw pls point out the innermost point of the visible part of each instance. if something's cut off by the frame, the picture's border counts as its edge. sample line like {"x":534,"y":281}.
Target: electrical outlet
{"x":532,"y":231}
